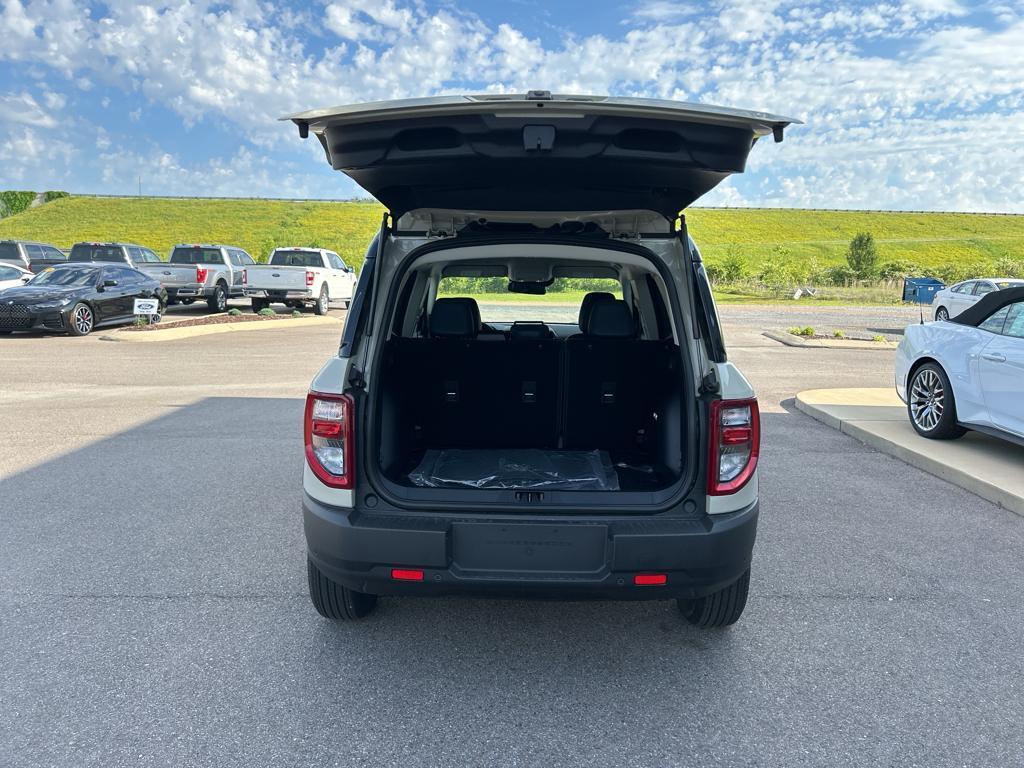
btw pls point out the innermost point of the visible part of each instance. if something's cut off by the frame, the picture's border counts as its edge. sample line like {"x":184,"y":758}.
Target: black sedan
{"x":77,"y":298}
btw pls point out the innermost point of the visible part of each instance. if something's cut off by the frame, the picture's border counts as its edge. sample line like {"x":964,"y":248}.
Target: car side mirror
{"x":110,"y":283}
{"x":26,"y":278}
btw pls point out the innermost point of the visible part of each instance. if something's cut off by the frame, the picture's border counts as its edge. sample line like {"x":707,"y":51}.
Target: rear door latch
{"x":529,"y":497}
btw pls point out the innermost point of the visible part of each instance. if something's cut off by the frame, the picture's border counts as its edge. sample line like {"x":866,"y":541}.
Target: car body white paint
{"x":988,"y":391}
{"x":11,"y":275}
{"x":954,"y":299}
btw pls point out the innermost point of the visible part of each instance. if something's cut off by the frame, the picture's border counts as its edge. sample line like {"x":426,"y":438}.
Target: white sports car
{"x":968,"y":372}
{"x":12,"y":276}
{"x":951,"y":301}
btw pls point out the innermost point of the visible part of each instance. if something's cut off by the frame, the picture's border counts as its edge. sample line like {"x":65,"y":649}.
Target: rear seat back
{"x":613,"y":381}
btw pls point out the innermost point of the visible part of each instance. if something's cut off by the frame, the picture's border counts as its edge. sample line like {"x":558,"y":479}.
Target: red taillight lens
{"x":330,"y":449}
{"x":406,"y":574}
{"x":201,"y":274}
{"x":309,"y":277}
{"x":735,"y":444}
{"x":245,"y":277}
{"x":650,"y":579}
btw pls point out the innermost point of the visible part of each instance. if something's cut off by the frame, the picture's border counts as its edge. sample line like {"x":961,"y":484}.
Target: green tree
{"x":862,"y":255}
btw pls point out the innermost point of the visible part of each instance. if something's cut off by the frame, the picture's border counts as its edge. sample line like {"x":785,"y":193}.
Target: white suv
{"x":612,"y":454}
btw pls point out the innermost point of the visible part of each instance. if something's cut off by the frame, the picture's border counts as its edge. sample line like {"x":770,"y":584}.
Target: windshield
{"x":296,"y":259}
{"x":560,"y":304}
{"x":87,"y":252}
{"x":1001,"y":284}
{"x":66,"y":276}
{"x":197,"y":256}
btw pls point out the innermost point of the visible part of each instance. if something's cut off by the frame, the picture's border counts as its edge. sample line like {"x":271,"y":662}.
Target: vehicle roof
{"x":302,"y":248}
{"x":208,"y":245}
{"x":111,"y":243}
{"x":991,"y":280}
{"x":26,"y":242}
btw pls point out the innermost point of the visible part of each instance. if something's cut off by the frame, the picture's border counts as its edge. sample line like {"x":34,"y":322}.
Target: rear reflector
{"x":406,"y":574}
{"x":650,"y":579}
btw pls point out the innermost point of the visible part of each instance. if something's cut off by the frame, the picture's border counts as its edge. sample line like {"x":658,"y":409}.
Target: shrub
{"x":838,"y":335}
{"x":862,"y":255}
{"x":1005,"y":266}
{"x":878,"y":337}
{"x":234,"y":311}
{"x":54,"y":194}
{"x":838,"y":275}
{"x":733,"y":268}
{"x":805,"y":331}
{"x":13,"y":202}
{"x":896,"y":270}
{"x":778,"y":274}
{"x":267,"y":312}
{"x":296,"y":313}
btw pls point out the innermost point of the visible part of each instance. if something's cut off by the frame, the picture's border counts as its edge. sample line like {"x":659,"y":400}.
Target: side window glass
{"x":1015,"y":321}
{"x":337,"y":262}
{"x":236,"y":257}
{"x":246,"y":259}
{"x":994,"y":323}
{"x":967,"y":287}
{"x":35,"y":252}
{"x":52,"y":253}
{"x":135,"y":254}
{"x":980,"y":289}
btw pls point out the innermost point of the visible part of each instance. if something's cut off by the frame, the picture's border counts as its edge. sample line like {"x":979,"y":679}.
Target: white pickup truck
{"x":297,"y":277}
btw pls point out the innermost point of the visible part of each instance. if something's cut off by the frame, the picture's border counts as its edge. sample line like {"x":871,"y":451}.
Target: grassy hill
{"x":752,"y":237}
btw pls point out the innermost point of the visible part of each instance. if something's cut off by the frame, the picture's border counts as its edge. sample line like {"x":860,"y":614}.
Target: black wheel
{"x":171,"y":302}
{"x":720,"y":609}
{"x":259,"y":304}
{"x":942,"y":313}
{"x":333,"y":601}
{"x":186,"y":302}
{"x":323,"y":303}
{"x":930,"y":404}
{"x":218,"y":302}
{"x":81,"y":320}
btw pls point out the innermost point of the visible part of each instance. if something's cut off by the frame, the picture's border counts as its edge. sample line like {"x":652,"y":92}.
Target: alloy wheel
{"x":941,"y":314}
{"x":82,"y":319}
{"x":927,"y":399}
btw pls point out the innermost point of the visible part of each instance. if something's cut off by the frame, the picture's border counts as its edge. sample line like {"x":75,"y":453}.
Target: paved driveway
{"x":153,"y":607}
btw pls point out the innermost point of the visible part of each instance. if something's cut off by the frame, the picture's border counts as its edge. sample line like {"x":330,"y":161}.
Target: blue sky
{"x":912,"y":105}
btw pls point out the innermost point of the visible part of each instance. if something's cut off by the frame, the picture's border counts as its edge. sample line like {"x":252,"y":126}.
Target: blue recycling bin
{"x":921,"y":290}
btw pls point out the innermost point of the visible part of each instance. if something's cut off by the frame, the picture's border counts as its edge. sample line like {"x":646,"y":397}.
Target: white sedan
{"x":967,"y":373}
{"x":951,"y":301}
{"x":11,"y":276}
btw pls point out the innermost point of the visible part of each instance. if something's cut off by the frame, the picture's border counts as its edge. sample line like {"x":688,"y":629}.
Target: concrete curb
{"x":190,"y":331}
{"x":948,"y":460}
{"x":796,"y":341}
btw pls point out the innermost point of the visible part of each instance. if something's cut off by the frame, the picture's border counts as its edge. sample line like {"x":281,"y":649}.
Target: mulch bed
{"x":213,"y":320}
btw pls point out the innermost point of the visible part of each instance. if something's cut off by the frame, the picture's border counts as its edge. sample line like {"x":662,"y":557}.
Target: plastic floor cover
{"x":516,"y":468}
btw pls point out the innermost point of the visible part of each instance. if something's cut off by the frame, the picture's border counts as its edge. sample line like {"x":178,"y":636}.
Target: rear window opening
{"x":574,"y":395}
{"x":196,"y":256}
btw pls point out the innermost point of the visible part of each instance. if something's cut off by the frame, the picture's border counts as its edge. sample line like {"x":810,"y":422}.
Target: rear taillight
{"x":735,"y":444}
{"x":245,"y":277}
{"x":330,"y":449}
{"x":201,"y":274}
{"x":309,"y":278}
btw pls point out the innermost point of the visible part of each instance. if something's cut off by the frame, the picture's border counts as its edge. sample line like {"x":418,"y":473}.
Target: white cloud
{"x":910,"y":104}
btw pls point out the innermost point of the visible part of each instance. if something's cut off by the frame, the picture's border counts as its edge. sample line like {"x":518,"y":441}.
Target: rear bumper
{"x":553,"y":557}
{"x":188,"y":291}
{"x":301,"y":295}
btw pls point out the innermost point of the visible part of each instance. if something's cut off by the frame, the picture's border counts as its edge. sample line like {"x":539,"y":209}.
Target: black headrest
{"x":588,"y":305}
{"x":456,"y":318}
{"x":611,"y":320}
{"x":529,"y":331}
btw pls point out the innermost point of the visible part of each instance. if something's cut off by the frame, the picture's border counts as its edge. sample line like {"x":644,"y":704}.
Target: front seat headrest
{"x":588,"y":305}
{"x":611,"y":320}
{"x":455,"y":318}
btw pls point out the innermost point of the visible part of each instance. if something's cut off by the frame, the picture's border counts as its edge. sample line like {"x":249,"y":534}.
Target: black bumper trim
{"x":699,"y":556}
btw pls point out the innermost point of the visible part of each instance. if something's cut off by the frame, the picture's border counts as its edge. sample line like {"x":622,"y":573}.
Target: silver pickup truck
{"x":211,"y":272}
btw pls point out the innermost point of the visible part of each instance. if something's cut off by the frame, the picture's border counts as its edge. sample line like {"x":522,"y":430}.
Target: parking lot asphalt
{"x":154,"y":608}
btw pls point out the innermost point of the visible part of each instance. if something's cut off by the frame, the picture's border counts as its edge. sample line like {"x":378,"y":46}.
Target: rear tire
{"x":720,"y":609}
{"x":186,"y":302}
{"x":81,"y":320}
{"x":258,"y":305}
{"x":218,"y":302}
{"x":323,"y":304}
{"x":941,"y":314}
{"x":930,"y":404}
{"x":333,"y":601}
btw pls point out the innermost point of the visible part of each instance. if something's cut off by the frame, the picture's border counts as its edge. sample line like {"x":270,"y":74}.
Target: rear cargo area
{"x":499,"y":412}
